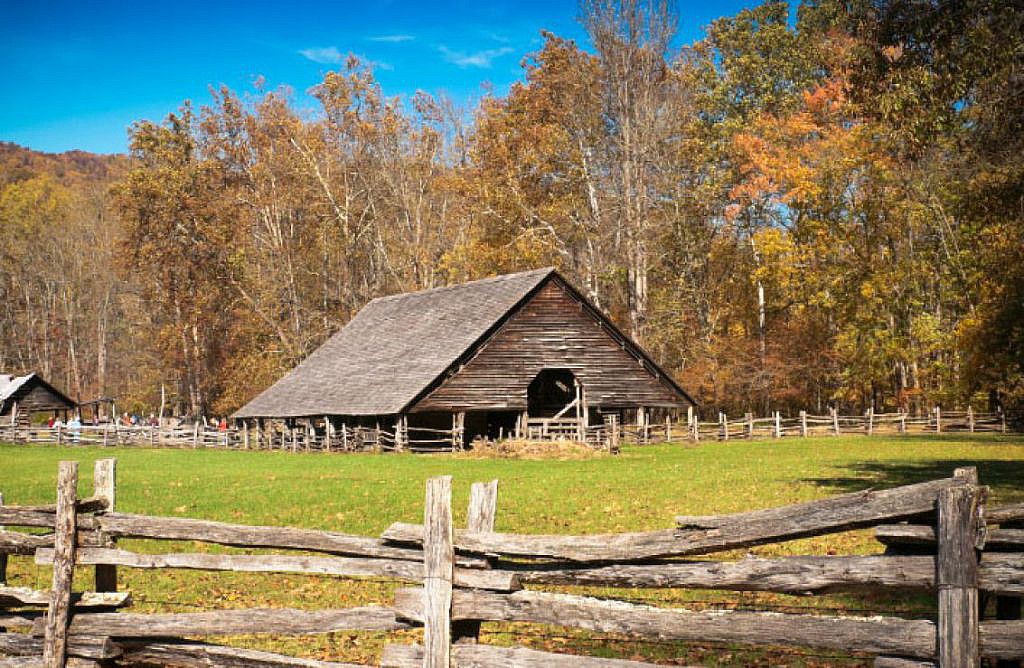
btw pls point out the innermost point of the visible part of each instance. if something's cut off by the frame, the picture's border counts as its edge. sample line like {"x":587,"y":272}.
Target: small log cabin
{"x":23,"y":396}
{"x":519,"y":355}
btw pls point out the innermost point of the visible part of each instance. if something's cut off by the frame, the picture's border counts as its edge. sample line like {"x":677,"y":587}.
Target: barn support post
{"x":104,"y":482}
{"x":438,"y":567}
{"x":459,"y":431}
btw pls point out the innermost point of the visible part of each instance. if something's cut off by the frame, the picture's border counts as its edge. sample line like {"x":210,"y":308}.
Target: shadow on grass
{"x":1005,"y":477}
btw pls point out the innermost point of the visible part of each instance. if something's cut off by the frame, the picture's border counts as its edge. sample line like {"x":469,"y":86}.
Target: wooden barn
{"x":22,"y":396}
{"x":517,"y":355}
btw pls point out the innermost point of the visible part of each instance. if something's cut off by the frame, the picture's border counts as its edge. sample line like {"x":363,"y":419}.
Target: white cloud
{"x":481,"y":59}
{"x":327,"y":55}
{"x":391,"y":38}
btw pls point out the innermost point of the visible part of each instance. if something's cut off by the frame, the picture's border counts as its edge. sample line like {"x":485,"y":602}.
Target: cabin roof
{"x":393,"y":349}
{"x":12,"y":387}
{"x":399,"y":347}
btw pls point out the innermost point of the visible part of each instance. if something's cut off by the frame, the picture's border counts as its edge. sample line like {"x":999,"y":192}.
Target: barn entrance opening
{"x":551,"y":393}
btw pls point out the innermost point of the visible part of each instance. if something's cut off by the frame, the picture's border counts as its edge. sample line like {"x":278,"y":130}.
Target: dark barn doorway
{"x":550,"y":392}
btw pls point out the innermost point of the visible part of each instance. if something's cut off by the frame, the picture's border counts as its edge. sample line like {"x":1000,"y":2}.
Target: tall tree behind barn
{"x":487,"y":356}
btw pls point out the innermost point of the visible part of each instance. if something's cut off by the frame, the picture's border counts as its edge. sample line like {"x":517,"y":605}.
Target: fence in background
{"x":949,"y":543}
{"x":324,"y":437}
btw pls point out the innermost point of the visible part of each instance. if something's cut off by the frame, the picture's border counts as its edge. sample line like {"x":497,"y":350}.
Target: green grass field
{"x":643,"y":488}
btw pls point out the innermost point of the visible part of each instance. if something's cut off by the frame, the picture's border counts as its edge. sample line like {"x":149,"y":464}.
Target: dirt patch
{"x":523,"y":449}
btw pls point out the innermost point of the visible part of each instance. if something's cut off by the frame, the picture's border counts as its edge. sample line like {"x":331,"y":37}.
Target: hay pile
{"x":524,"y":449}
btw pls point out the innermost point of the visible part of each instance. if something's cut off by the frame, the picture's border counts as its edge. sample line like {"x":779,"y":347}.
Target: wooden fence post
{"x":668,"y":428}
{"x":778,"y":425}
{"x":869,"y":421}
{"x":750,"y":425}
{"x":903,"y":422}
{"x":835,"y":419}
{"x":938,"y":420}
{"x":438,"y":565}
{"x":56,"y":634}
{"x":104,"y":485}
{"x":483,"y":504}
{"x":195,"y":434}
{"x":1002,"y":419}
{"x":724,"y":421}
{"x":3,"y":557}
{"x":803,"y":423}
{"x":970,"y":419}
{"x":957,"y":572}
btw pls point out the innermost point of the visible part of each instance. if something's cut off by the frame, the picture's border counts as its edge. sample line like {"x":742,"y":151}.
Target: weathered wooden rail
{"x":939,"y":536}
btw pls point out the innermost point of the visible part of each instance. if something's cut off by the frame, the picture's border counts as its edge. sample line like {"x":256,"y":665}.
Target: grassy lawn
{"x":644,"y":488}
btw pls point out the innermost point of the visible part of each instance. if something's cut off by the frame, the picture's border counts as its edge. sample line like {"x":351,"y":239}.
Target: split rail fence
{"x":940,"y":534}
{"x":609,"y":435}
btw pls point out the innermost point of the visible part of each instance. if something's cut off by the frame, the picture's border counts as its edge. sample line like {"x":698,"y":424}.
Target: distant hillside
{"x":18,"y":163}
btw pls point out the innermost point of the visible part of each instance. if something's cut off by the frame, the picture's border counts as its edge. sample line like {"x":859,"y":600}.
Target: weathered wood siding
{"x":551,"y":331}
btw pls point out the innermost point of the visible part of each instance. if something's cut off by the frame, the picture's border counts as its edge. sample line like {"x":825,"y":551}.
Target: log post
{"x":750,"y":425}
{"x":259,"y":433}
{"x":803,"y":423}
{"x":438,"y":560}
{"x":195,"y":434}
{"x":689,"y":416}
{"x":483,"y":504}
{"x":724,"y":421}
{"x":938,"y":420}
{"x":835,"y":419}
{"x":903,"y":423}
{"x":668,"y":428}
{"x":869,"y":421}
{"x":344,"y":436}
{"x":970,"y":419}
{"x":1002,"y":420}
{"x":105,"y":428}
{"x":104,"y":486}
{"x":245,"y":434}
{"x":57,"y":615}
{"x":957,"y":572}
{"x":778,"y":425}
{"x":3,"y":557}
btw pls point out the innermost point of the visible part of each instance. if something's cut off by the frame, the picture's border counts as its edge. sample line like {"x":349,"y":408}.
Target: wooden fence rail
{"x":950,"y":544}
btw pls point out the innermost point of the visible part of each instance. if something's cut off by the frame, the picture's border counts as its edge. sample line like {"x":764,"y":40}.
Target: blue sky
{"x":76,"y":74}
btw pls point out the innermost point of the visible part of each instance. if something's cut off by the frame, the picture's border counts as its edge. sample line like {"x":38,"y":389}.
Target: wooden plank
{"x":792,"y":575}
{"x":89,"y":647}
{"x":189,"y":654}
{"x":438,"y":558}
{"x":489,"y":656}
{"x":104,"y":482}
{"x":3,"y":553}
{"x":877,"y":635}
{"x":123,"y":525}
{"x":957,"y":576}
{"x":1003,"y":514}
{"x":998,"y":572}
{"x":274,"y":563}
{"x":706,"y":535}
{"x":898,"y":662}
{"x":283,"y":621}
{"x":55,"y":644}
{"x":26,"y":596}
{"x":16,"y":542}
{"x":910,"y":535}
{"x":1002,"y":639}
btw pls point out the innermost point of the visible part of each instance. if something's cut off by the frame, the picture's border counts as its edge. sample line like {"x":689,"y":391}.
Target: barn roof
{"x":393,"y":349}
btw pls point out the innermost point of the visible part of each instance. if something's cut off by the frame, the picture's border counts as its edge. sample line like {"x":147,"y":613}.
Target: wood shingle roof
{"x":393,"y":349}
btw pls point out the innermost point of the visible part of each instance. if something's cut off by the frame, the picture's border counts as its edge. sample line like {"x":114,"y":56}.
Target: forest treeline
{"x":809,"y":206}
